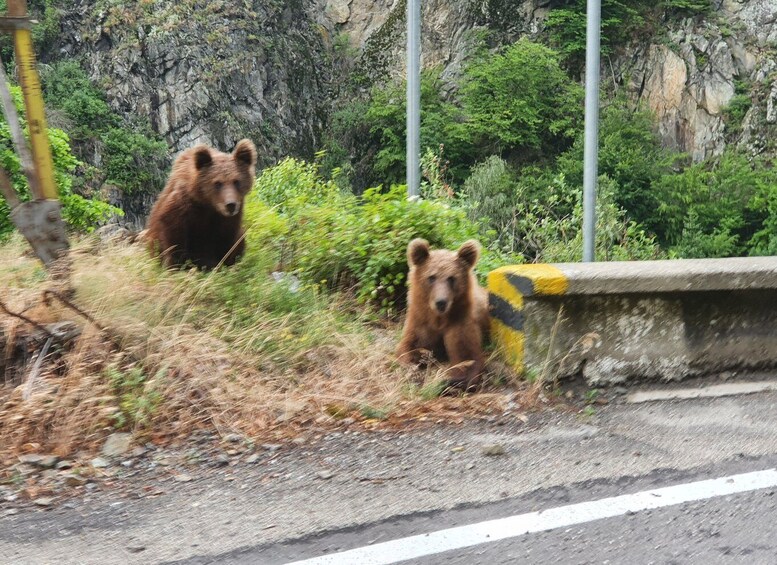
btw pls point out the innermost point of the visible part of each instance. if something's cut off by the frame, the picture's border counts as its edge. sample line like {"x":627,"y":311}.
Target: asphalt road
{"x":354,"y":490}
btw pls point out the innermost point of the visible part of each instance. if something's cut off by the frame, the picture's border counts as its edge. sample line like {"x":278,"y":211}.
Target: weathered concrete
{"x":617,"y":322}
{"x":712,"y":391}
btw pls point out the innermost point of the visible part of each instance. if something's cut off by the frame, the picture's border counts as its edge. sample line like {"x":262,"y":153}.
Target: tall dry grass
{"x":229,"y":350}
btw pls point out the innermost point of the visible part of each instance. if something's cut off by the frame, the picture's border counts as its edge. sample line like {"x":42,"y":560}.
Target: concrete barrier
{"x":621,"y":321}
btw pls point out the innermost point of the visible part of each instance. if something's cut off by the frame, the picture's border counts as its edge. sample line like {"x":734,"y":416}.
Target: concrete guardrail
{"x":623,"y":321}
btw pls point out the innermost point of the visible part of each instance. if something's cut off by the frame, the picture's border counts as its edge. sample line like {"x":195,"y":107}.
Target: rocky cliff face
{"x":208,"y":71}
{"x":689,"y":76}
{"x":267,"y":69}
{"x":692,"y":78}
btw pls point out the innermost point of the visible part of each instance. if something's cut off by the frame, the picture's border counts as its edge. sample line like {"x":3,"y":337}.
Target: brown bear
{"x":447,"y":312}
{"x":198,"y":216}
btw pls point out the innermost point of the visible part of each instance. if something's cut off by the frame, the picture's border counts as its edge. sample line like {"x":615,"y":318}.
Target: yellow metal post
{"x":33,"y":102}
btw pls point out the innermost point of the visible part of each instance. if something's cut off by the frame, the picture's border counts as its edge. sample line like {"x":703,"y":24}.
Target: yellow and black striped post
{"x":507,"y":289}
{"x":33,"y":100}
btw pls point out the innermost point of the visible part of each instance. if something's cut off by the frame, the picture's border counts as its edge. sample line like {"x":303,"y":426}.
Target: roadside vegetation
{"x":299,"y":335}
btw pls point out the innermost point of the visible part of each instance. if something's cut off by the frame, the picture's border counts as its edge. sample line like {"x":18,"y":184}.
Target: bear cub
{"x":198,"y":216}
{"x":447,"y":312}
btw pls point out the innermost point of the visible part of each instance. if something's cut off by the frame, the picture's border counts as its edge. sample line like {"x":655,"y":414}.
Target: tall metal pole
{"x":591,"y":152}
{"x":413,"y":97}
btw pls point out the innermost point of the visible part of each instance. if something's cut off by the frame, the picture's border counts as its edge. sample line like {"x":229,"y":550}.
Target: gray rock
{"x":271,"y":446}
{"x":338,"y":10}
{"x":326,"y":474}
{"x":493,"y":450}
{"x":38,"y":460}
{"x":65,"y":464}
{"x":117,"y":444}
{"x":43,"y":501}
{"x":99,"y":463}
{"x":74,"y":479}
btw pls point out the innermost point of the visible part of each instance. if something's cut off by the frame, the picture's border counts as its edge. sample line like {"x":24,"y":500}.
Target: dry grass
{"x":182,"y":351}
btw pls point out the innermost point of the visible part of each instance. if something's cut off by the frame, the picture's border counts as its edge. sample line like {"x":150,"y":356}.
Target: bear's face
{"x":223,"y":179}
{"x":441,"y":276}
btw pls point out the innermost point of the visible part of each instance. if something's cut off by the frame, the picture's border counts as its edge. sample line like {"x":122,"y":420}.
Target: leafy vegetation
{"x":519,"y":103}
{"x":336,"y":240}
{"x":622,"y":22}
{"x":134,"y":159}
{"x":80,"y":213}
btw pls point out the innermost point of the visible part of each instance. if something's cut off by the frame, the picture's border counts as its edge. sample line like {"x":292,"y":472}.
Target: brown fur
{"x":447,"y":311}
{"x":198,"y":216}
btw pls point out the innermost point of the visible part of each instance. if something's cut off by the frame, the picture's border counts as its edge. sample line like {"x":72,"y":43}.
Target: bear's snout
{"x":441,"y":305}
{"x":232,"y":208}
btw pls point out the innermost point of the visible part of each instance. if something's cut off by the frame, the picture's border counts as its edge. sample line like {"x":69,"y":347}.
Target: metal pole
{"x":591,"y":153}
{"x":413,"y":97}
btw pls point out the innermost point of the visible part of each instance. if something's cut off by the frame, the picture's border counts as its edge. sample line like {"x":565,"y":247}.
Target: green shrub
{"x":566,"y":26}
{"x":138,"y":395}
{"x":292,"y":184}
{"x":712,"y":202}
{"x":489,"y":195}
{"x":134,"y":161}
{"x":133,"y":157}
{"x":631,"y":154}
{"x":520,"y":103}
{"x":617,"y":237}
{"x":538,"y":214}
{"x":67,"y":87}
{"x":622,"y":21}
{"x":388,"y":127}
{"x":361,"y":243}
{"x":336,"y":240}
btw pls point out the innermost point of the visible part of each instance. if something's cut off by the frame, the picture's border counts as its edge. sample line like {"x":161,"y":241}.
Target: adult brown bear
{"x":447,"y":312}
{"x":198,"y":216}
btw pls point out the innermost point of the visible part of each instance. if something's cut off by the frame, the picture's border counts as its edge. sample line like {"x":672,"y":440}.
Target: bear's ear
{"x":202,"y":157}
{"x":469,"y":252}
{"x":417,"y":252}
{"x":245,"y":153}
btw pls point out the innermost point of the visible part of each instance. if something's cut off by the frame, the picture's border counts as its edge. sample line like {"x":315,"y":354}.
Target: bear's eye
{"x":432,"y":279}
{"x":451,"y":281}
{"x":237,"y":185}
{"x":217,"y":186}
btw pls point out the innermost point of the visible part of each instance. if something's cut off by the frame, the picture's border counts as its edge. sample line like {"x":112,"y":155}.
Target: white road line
{"x":460,"y":537}
{"x":714,"y":391}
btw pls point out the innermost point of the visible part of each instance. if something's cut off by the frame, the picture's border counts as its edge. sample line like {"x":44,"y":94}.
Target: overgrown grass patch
{"x":230,"y":350}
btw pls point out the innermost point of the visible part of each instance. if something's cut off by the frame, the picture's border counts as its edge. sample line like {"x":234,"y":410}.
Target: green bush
{"x":293,"y":184}
{"x":617,"y":237}
{"x":719,"y":203}
{"x":520,"y":103}
{"x":540,"y":216}
{"x":361,"y":243}
{"x":67,"y":87}
{"x":387,"y":125}
{"x":337,"y":240}
{"x":630,"y":153}
{"x":490,"y":195}
{"x":134,"y":161}
{"x":622,"y":21}
{"x":134,"y":158}
{"x":566,"y":26}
